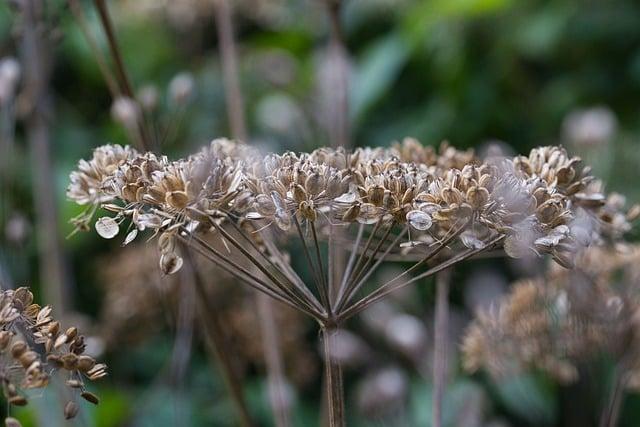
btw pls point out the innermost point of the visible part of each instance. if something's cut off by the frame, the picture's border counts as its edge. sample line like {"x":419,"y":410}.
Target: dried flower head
{"x":24,"y":327}
{"x":565,"y":320}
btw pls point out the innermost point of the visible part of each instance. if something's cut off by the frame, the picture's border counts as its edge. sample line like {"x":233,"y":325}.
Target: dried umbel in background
{"x":33,"y":347}
{"x":139,"y":301}
{"x":565,"y":320}
{"x":409,"y":202}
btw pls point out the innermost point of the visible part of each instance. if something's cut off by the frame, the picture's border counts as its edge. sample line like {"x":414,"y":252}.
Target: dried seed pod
{"x":12,"y":422}
{"x":69,"y":361}
{"x":86,"y":363}
{"x":90,"y":397}
{"x":70,"y":410}
{"x":299,"y":193}
{"x":170,"y":263}
{"x":352,"y":213}
{"x":27,"y":358}
{"x":419,"y":220}
{"x":18,"y":348}
{"x":107,"y":227}
{"x":74,"y":383}
{"x":17,"y":400}
{"x":5,"y":337}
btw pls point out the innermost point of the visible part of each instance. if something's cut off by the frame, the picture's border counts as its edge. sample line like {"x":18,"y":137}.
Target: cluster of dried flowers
{"x":562,"y":322}
{"x":408,"y":200}
{"x":33,"y":347}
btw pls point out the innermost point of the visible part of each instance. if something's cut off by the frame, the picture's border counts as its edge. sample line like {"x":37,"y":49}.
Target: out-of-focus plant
{"x":34,"y":347}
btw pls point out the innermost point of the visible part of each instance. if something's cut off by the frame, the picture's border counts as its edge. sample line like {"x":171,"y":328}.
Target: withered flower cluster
{"x":346,"y":212}
{"x":33,"y":347}
{"x":563,"y":322}
{"x":408,"y":201}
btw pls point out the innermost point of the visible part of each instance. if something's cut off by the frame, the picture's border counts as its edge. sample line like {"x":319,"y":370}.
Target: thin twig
{"x":37,"y":61}
{"x":387,"y":288}
{"x":121,"y":72}
{"x":216,"y":343}
{"x":440,"y":348}
{"x":230,"y":74}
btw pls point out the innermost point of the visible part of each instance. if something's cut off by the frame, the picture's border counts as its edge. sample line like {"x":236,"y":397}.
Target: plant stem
{"x":37,"y":63}
{"x":216,"y":343}
{"x":611,"y":413}
{"x":230,"y":74}
{"x":273,"y":355}
{"x":333,"y":377}
{"x":440,"y":349}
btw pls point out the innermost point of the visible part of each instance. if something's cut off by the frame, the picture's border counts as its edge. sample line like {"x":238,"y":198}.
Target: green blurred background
{"x":478,"y":73}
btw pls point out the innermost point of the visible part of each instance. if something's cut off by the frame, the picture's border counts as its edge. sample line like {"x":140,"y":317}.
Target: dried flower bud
{"x":18,"y":348}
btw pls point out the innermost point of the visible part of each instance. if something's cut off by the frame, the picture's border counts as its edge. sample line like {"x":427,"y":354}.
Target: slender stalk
{"x":37,"y":63}
{"x":389,"y":287}
{"x":275,"y":371}
{"x":230,"y":74}
{"x":611,"y":412}
{"x":333,"y":378}
{"x":121,"y":72}
{"x":338,"y":58}
{"x":78,"y":13}
{"x":440,"y":348}
{"x":217,"y":345}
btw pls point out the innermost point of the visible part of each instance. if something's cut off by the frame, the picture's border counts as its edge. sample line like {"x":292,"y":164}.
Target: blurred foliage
{"x":469,"y":71}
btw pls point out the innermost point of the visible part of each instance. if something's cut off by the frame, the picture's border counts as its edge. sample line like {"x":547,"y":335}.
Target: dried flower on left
{"x":33,"y":347}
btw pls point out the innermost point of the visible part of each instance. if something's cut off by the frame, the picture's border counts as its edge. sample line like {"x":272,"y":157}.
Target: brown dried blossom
{"x":563,"y":321}
{"x":449,"y":203}
{"x":33,"y":347}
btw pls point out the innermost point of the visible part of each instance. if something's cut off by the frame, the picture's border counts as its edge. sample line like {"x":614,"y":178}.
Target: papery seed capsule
{"x":264,"y":205}
{"x":18,"y":400}
{"x":107,"y":227}
{"x":70,"y":410}
{"x":74,"y":383}
{"x":18,"y":348}
{"x":307,"y":211}
{"x":27,"y":358}
{"x":170,"y":263}
{"x":90,"y":397}
{"x":477,"y":196}
{"x":419,"y":220}
{"x":5,"y":337}
{"x":314,"y":184}
{"x":86,"y":363}
{"x":352,"y":213}
{"x":299,"y":193}
{"x":69,"y":361}
{"x":334,"y":186}
{"x":71,"y":333}
{"x":177,"y":199}
{"x":376,"y":195}
{"x":12,"y":422}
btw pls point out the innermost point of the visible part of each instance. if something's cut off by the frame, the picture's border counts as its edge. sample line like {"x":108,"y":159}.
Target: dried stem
{"x":611,"y":412}
{"x":217,"y":344}
{"x":338,"y":57}
{"x":78,"y":13}
{"x":124,"y":81}
{"x":333,"y":378}
{"x":273,"y":355}
{"x":230,"y":74}
{"x":37,"y":63}
{"x":440,"y":348}
{"x":389,"y":287}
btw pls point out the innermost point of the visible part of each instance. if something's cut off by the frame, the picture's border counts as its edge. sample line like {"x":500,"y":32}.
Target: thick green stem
{"x":333,"y":378}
